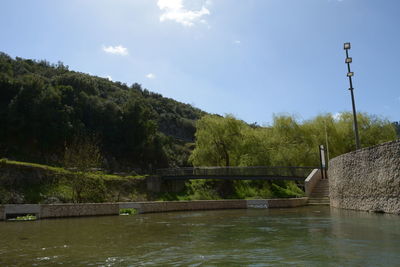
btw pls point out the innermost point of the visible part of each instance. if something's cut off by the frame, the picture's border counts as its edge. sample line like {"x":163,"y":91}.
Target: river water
{"x":308,"y":236}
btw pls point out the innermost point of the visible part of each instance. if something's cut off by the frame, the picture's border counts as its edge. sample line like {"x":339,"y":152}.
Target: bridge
{"x":237,"y":173}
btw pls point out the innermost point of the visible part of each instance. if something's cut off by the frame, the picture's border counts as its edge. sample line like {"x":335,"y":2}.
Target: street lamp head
{"x":349,"y":60}
{"x":346,"y":46}
{"x":350,"y":74}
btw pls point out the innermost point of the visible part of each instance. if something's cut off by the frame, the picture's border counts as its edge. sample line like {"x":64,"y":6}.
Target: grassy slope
{"x":24,"y":182}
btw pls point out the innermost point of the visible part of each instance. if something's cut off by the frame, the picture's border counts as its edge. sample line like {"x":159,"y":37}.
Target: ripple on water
{"x":299,"y":237}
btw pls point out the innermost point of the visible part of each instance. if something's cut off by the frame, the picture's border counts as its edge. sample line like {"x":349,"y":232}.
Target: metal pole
{"x":320,"y":162}
{"x":355,"y":120}
{"x":357,"y":138}
{"x":327,"y":146}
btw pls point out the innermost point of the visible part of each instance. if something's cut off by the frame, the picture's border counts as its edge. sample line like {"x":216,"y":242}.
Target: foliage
{"x":217,"y":140}
{"x":202,"y":190}
{"x":397,"y":127}
{"x":82,"y":156}
{"x":226,"y":141}
{"x":23,"y":182}
{"x":43,"y":106}
{"x":286,"y":142}
{"x":28,"y":217}
{"x":127,"y":211}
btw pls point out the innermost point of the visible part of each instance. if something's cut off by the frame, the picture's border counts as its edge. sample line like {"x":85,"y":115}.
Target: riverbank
{"x":43,"y":211}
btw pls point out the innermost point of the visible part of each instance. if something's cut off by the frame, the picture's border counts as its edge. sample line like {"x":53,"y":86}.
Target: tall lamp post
{"x":350,"y":74}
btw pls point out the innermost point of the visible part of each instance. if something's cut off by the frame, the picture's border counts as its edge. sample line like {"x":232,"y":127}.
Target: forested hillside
{"x":45,"y":107}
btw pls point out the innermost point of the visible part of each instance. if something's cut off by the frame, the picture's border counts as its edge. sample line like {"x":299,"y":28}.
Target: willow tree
{"x":218,"y":141}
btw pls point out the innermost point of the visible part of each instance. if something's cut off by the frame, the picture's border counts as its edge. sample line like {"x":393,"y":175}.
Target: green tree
{"x":218,"y":141}
{"x":81,"y":157}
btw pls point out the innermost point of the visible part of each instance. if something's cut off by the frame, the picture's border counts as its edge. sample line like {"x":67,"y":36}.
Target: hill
{"x":45,"y":107}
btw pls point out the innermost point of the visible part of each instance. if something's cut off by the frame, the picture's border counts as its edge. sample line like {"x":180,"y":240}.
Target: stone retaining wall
{"x":367,"y":179}
{"x":22,"y":209}
{"x":97,"y":209}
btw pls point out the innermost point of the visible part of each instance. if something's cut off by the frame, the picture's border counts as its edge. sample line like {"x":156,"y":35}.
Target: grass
{"x":60,"y":170}
{"x":50,"y":184}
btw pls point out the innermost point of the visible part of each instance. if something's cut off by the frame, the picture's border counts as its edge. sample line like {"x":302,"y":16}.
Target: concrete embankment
{"x":98,"y":209}
{"x":367,"y":179}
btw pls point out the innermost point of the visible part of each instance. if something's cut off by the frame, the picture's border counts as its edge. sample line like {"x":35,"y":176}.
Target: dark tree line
{"x":43,"y":107}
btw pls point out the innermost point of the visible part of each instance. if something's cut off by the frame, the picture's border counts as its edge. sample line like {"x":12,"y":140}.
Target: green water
{"x":309,"y":236}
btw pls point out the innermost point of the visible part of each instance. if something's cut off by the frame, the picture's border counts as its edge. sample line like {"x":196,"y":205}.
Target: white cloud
{"x":116,"y":50}
{"x":109,"y":77}
{"x":151,"y":76}
{"x":238,"y":42}
{"x":174,"y":10}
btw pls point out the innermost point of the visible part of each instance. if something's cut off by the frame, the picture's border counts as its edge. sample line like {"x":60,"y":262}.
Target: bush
{"x":128,"y":211}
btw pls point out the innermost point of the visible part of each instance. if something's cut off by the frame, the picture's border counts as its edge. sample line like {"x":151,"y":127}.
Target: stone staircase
{"x":320,"y":193}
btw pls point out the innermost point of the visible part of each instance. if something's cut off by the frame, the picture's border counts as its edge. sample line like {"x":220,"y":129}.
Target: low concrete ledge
{"x":257,"y":204}
{"x":130,"y":205}
{"x":99,"y":209}
{"x":166,"y":206}
{"x":287,"y":202}
{"x":2,"y":213}
{"x":76,"y":210}
{"x":17,"y":209}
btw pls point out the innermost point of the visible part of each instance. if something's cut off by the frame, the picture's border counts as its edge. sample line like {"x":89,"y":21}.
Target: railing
{"x":238,"y":172}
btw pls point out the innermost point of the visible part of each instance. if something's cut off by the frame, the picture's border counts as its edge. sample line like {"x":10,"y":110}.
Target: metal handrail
{"x":237,"y":171}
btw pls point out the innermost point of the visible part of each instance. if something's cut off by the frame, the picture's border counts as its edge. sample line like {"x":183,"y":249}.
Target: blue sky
{"x":250,"y":58}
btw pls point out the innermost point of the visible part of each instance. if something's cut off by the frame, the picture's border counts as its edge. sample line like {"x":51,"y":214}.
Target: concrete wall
{"x":367,"y":179}
{"x":22,"y":209}
{"x":287,"y":202}
{"x":165,"y":206}
{"x":59,"y":210}
{"x":311,"y":181}
{"x":96,"y":209}
{"x":2,"y":213}
{"x":76,"y":210}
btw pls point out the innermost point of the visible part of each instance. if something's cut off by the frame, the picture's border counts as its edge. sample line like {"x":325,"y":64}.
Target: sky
{"x":250,"y":58}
